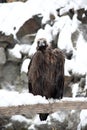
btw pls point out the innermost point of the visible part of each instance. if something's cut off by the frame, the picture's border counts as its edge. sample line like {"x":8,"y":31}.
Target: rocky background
{"x":6,"y":1}
{"x":11,"y":77}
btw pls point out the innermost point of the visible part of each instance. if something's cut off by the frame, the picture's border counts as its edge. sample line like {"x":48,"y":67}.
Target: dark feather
{"x":46,"y":74}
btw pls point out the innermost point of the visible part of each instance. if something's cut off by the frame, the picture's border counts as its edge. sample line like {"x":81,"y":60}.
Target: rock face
{"x":66,"y":121}
{"x":30,"y":26}
{"x":3,"y":1}
{"x":7,"y":41}
{"x":12,"y":77}
{"x":2,"y":56}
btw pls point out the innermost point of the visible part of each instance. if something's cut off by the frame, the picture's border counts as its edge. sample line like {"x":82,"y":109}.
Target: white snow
{"x":12,"y":17}
{"x":15,"y":52}
{"x":59,"y":116}
{"x":18,"y":50}
{"x":20,"y":12}
{"x":15,"y":14}
{"x":80,"y":60}
{"x":64,"y":41}
{"x":25,"y":48}
{"x":20,"y":118}
{"x":86,"y":83}
{"x":75,"y":88}
{"x":68,"y":66}
{"x":83,"y":119}
{"x":16,"y":98}
{"x":25,"y":64}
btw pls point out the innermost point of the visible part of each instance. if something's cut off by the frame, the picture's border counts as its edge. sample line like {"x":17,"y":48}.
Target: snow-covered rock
{"x":24,"y":24}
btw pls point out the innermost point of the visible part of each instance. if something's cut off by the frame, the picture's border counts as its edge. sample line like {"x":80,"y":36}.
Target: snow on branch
{"x":53,"y":106}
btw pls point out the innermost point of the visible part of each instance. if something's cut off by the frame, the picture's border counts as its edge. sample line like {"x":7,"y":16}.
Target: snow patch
{"x":25,"y":64}
{"x":83,"y":119}
{"x":16,"y":98}
{"x":21,"y":119}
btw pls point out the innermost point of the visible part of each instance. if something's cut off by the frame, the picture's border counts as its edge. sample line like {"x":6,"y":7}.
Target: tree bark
{"x":44,"y":108}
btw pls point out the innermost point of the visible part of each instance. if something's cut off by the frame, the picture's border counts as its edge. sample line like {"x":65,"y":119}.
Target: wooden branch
{"x":44,"y":108}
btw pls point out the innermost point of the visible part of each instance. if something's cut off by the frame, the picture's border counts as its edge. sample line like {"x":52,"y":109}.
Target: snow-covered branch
{"x":53,"y":106}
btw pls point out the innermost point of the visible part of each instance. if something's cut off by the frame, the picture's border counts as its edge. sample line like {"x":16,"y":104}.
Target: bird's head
{"x":41,"y":44}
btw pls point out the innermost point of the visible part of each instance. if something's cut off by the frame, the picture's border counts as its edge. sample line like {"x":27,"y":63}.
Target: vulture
{"x":46,"y":73}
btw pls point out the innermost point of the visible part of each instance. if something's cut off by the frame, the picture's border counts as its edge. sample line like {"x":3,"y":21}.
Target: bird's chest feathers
{"x":50,"y":59}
